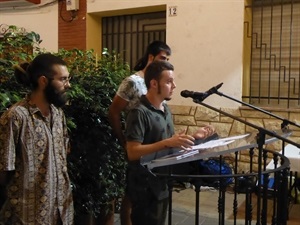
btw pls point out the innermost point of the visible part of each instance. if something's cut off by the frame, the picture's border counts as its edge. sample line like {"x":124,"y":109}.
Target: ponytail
{"x":21,"y":74}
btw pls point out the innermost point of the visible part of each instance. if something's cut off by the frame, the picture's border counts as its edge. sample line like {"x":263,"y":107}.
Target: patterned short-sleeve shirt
{"x":35,"y":148}
{"x":131,"y":89}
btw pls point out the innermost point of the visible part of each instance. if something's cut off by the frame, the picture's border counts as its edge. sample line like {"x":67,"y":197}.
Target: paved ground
{"x":182,"y":218}
{"x":183,"y":212}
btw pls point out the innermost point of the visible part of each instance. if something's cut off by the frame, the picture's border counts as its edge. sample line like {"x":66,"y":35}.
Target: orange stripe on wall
{"x":72,"y":34}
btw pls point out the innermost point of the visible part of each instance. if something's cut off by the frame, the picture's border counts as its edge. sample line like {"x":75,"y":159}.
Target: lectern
{"x":213,"y":148}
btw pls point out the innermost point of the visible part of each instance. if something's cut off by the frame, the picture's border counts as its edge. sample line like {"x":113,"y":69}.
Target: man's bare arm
{"x":117,"y":106}
{"x":135,"y":150}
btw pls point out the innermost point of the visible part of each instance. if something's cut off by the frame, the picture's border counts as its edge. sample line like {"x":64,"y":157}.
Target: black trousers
{"x":149,"y":196}
{"x":150,"y":212}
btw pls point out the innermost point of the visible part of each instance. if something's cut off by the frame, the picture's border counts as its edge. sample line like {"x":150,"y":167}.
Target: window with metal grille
{"x":275,"y":53}
{"x":129,"y":35}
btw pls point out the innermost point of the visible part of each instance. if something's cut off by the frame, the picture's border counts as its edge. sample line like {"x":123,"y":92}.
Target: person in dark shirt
{"x":149,"y":131}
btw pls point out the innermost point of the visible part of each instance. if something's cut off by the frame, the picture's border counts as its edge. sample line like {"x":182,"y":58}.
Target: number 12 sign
{"x":173,"y":11}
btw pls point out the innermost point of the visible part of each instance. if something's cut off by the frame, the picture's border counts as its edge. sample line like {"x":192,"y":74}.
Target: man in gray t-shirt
{"x":149,"y":131}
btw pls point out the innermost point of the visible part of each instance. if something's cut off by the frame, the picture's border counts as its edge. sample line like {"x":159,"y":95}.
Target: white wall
{"x":43,"y":21}
{"x":206,"y":38}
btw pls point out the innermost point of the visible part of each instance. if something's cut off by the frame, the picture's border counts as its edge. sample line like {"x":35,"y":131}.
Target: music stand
{"x":209,"y":149}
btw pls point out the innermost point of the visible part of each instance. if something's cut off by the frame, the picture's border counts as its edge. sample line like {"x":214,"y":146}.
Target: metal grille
{"x":275,"y":56}
{"x":129,"y":35}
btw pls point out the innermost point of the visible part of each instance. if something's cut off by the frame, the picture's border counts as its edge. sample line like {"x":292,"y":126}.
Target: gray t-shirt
{"x":147,"y":125}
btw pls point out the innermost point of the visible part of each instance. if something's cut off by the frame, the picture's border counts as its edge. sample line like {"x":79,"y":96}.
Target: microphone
{"x":200,"y":95}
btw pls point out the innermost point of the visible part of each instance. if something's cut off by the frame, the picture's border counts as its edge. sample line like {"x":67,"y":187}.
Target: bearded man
{"x":34,"y":182}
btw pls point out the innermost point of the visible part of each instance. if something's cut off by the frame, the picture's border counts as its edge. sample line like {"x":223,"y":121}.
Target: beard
{"x":55,"y":97}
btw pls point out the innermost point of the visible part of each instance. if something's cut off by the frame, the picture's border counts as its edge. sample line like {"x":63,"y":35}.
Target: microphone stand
{"x":260,"y":129}
{"x":284,"y":123}
{"x":262,"y":132}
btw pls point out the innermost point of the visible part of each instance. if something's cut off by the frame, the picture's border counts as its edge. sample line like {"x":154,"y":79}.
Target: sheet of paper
{"x":181,"y":154}
{"x":187,"y":154}
{"x":218,"y":142}
{"x":212,"y":144}
{"x":234,"y":137}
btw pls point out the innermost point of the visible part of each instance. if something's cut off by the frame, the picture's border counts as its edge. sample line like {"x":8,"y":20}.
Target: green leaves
{"x":96,"y":163}
{"x":17,"y":45}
